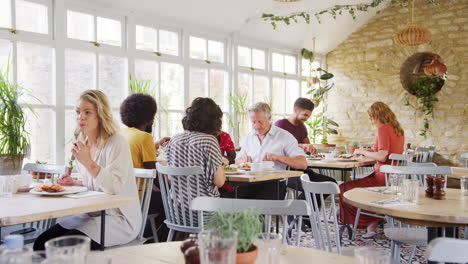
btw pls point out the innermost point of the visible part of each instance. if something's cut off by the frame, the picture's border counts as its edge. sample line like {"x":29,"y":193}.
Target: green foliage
{"x":355,"y":144}
{"x":317,"y":126}
{"x":140,"y":86}
{"x":425,"y":89}
{"x":14,"y":138}
{"x":334,"y":11}
{"x":315,"y":75}
{"x":247,"y":224}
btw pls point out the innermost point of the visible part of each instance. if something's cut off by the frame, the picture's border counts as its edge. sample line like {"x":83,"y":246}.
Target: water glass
{"x":396,"y":182}
{"x":69,"y":249}
{"x":256,"y":166}
{"x":410,"y":190}
{"x":464,"y":186}
{"x":269,"y":248}
{"x":16,"y":256}
{"x":369,"y":255}
{"x":6,"y":186}
{"x":217,"y":247}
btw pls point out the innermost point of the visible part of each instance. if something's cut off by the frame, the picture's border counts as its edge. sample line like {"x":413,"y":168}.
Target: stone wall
{"x":367,"y":67}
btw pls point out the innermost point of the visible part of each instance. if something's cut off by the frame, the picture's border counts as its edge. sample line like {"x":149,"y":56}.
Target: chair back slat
{"x":145,"y":179}
{"x":49,"y":169}
{"x":400,"y":159}
{"x":417,"y":172}
{"x":322,"y":231}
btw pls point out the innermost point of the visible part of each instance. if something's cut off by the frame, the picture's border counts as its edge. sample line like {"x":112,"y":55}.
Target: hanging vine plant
{"x":334,"y":11}
{"x":316,"y":77}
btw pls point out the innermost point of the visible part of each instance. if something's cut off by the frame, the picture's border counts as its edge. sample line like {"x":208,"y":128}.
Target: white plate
{"x":68,"y":190}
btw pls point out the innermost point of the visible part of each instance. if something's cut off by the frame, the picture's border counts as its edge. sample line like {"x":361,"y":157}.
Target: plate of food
{"x":245,"y":166}
{"x":55,"y":189}
{"x":346,"y":158}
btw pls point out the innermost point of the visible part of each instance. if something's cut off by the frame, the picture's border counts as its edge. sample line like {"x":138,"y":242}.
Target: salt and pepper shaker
{"x":430,"y":186}
{"x":439,"y":193}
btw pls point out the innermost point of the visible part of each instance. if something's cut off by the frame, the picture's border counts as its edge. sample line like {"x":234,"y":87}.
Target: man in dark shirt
{"x":294,"y":124}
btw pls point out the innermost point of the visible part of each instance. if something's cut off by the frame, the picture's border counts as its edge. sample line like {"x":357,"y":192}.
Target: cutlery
{"x":76,"y":133}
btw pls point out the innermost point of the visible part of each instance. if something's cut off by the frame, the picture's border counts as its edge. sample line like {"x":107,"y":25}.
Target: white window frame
{"x":156,"y":27}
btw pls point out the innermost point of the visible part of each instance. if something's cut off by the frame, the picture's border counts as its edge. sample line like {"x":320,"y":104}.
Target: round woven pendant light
{"x":412,"y":34}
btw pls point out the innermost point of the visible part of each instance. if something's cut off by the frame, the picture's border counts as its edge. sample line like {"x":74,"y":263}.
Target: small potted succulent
{"x":247,"y":224}
{"x":354,"y":146}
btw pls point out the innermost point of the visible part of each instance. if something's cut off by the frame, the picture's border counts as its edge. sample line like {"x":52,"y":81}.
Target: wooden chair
{"x":318,"y":217}
{"x":268,"y":208}
{"x":179,"y":215}
{"x":447,"y":250}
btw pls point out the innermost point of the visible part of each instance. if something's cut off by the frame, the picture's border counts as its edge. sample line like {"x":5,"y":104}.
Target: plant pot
{"x":248,"y":257}
{"x":352,"y":149}
{"x":9,"y":166}
{"x":328,"y":145}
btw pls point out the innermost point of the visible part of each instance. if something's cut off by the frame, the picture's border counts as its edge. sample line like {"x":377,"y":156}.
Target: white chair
{"x":398,"y":232}
{"x":424,"y":154}
{"x":318,"y":218}
{"x":144,"y":179}
{"x":173,"y":183}
{"x":465,"y":158}
{"x":54,"y":171}
{"x":447,"y":250}
{"x":268,"y":208}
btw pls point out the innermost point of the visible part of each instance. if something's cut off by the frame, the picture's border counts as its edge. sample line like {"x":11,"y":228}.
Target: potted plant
{"x":247,"y":224}
{"x":14,"y":138}
{"x":354,"y":146}
{"x":318,"y":125}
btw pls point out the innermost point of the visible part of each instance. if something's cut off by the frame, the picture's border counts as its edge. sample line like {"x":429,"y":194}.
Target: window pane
{"x":117,"y":119}
{"x":261,"y":89}
{"x":304,"y":90}
{"x":243,"y":56}
{"x":109,"y":31}
{"x":70,"y":125}
{"x":172,"y":86}
{"x":146,"y":38}
{"x":258,"y":59}
{"x":5,"y":13}
{"x":277,"y":62}
{"x":216,"y":51}
{"x":292,"y":93}
{"x":244,"y":87}
{"x":290,"y":64}
{"x":80,"y":26}
{"x":36,"y":72}
{"x":219,"y":88}
{"x":5,"y":55}
{"x":277,"y":100}
{"x":80,"y":74}
{"x":41,"y":126}
{"x":147,"y":70}
{"x":169,"y":42}
{"x":198,"y":83}
{"x":113,"y":78}
{"x":305,"y":66}
{"x":197,"y":48}
{"x":31,"y":17}
{"x":171,"y":124}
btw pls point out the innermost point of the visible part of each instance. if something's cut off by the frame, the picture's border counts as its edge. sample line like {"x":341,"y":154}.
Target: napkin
{"x":83,"y":194}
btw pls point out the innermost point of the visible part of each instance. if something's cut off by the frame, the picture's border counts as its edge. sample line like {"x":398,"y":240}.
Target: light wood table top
{"x":339,"y":164}
{"x":263,"y":175}
{"x":458,"y":172}
{"x":453,"y":211}
{"x":27,"y":207}
{"x":169,"y":253}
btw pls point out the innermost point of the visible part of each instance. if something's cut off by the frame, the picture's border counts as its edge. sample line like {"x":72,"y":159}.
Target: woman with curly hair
{"x":197,"y":146}
{"x":390,"y":139}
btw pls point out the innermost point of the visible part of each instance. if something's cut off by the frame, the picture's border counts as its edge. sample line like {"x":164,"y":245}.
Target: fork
{"x":76,"y":133}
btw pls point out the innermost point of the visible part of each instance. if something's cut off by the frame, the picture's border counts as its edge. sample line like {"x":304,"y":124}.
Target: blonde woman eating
{"x":390,"y":139}
{"x":103,"y":159}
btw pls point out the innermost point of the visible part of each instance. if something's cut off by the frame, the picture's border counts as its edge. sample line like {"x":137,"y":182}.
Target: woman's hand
{"x":81,"y":152}
{"x":65,"y":180}
{"x":225,"y":161}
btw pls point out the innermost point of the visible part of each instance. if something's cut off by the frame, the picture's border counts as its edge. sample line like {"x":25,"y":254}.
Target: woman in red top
{"x":227,"y":146}
{"x":390,"y":139}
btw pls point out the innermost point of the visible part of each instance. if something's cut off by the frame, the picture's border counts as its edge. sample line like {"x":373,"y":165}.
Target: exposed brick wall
{"x":367,"y":67}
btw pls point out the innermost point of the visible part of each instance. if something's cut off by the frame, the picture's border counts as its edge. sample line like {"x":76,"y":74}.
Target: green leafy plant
{"x":238,"y":101}
{"x":318,"y":125}
{"x":140,"y":86}
{"x":355,"y":144}
{"x":425,"y":89}
{"x":333,"y":11}
{"x":14,"y":137}
{"x":247,"y":224}
{"x":317,"y":77}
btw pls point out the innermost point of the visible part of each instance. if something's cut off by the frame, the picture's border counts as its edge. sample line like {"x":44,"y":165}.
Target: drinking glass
{"x":14,"y":256}
{"x":217,"y":247}
{"x":6,"y":186}
{"x":396,"y":183}
{"x":69,"y":249}
{"x":269,"y":248}
{"x":369,"y":255}
{"x":464,"y":186}
{"x":411,"y":190}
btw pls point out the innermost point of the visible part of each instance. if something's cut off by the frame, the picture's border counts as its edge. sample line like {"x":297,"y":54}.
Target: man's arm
{"x":296,"y":162}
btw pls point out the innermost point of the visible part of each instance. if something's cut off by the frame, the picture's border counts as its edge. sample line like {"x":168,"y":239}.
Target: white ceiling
{"x":231,"y":16}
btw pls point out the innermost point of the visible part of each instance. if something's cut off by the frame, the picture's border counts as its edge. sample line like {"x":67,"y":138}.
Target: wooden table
{"x":263,"y":176}
{"x":27,"y":207}
{"x":433,"y":214}
{"x":169,"y":253}
{"x":458,"y":172}
{"x":342,"y":166}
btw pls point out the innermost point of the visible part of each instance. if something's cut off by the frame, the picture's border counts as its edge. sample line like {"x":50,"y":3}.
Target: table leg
{"x":103,"y":228}
{"x":345,"y":225}
{"x":277,"y":198}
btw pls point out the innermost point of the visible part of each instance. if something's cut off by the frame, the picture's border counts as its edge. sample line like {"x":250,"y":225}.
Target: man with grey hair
{"x":268,"y":143}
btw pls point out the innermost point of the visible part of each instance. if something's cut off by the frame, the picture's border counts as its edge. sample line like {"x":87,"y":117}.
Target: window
{"x":29,"y":16}
{"x":209,"y":83}
{"x":284,"y":93}
{"x":88,"y":27}
{"x":252,"y":58}
{"x":284,"y":63}
{"x":154,"y":40}
{"x":203,"y":49}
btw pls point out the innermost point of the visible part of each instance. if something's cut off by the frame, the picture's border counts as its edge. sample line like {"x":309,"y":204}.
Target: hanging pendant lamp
{"x":413,"y":34}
